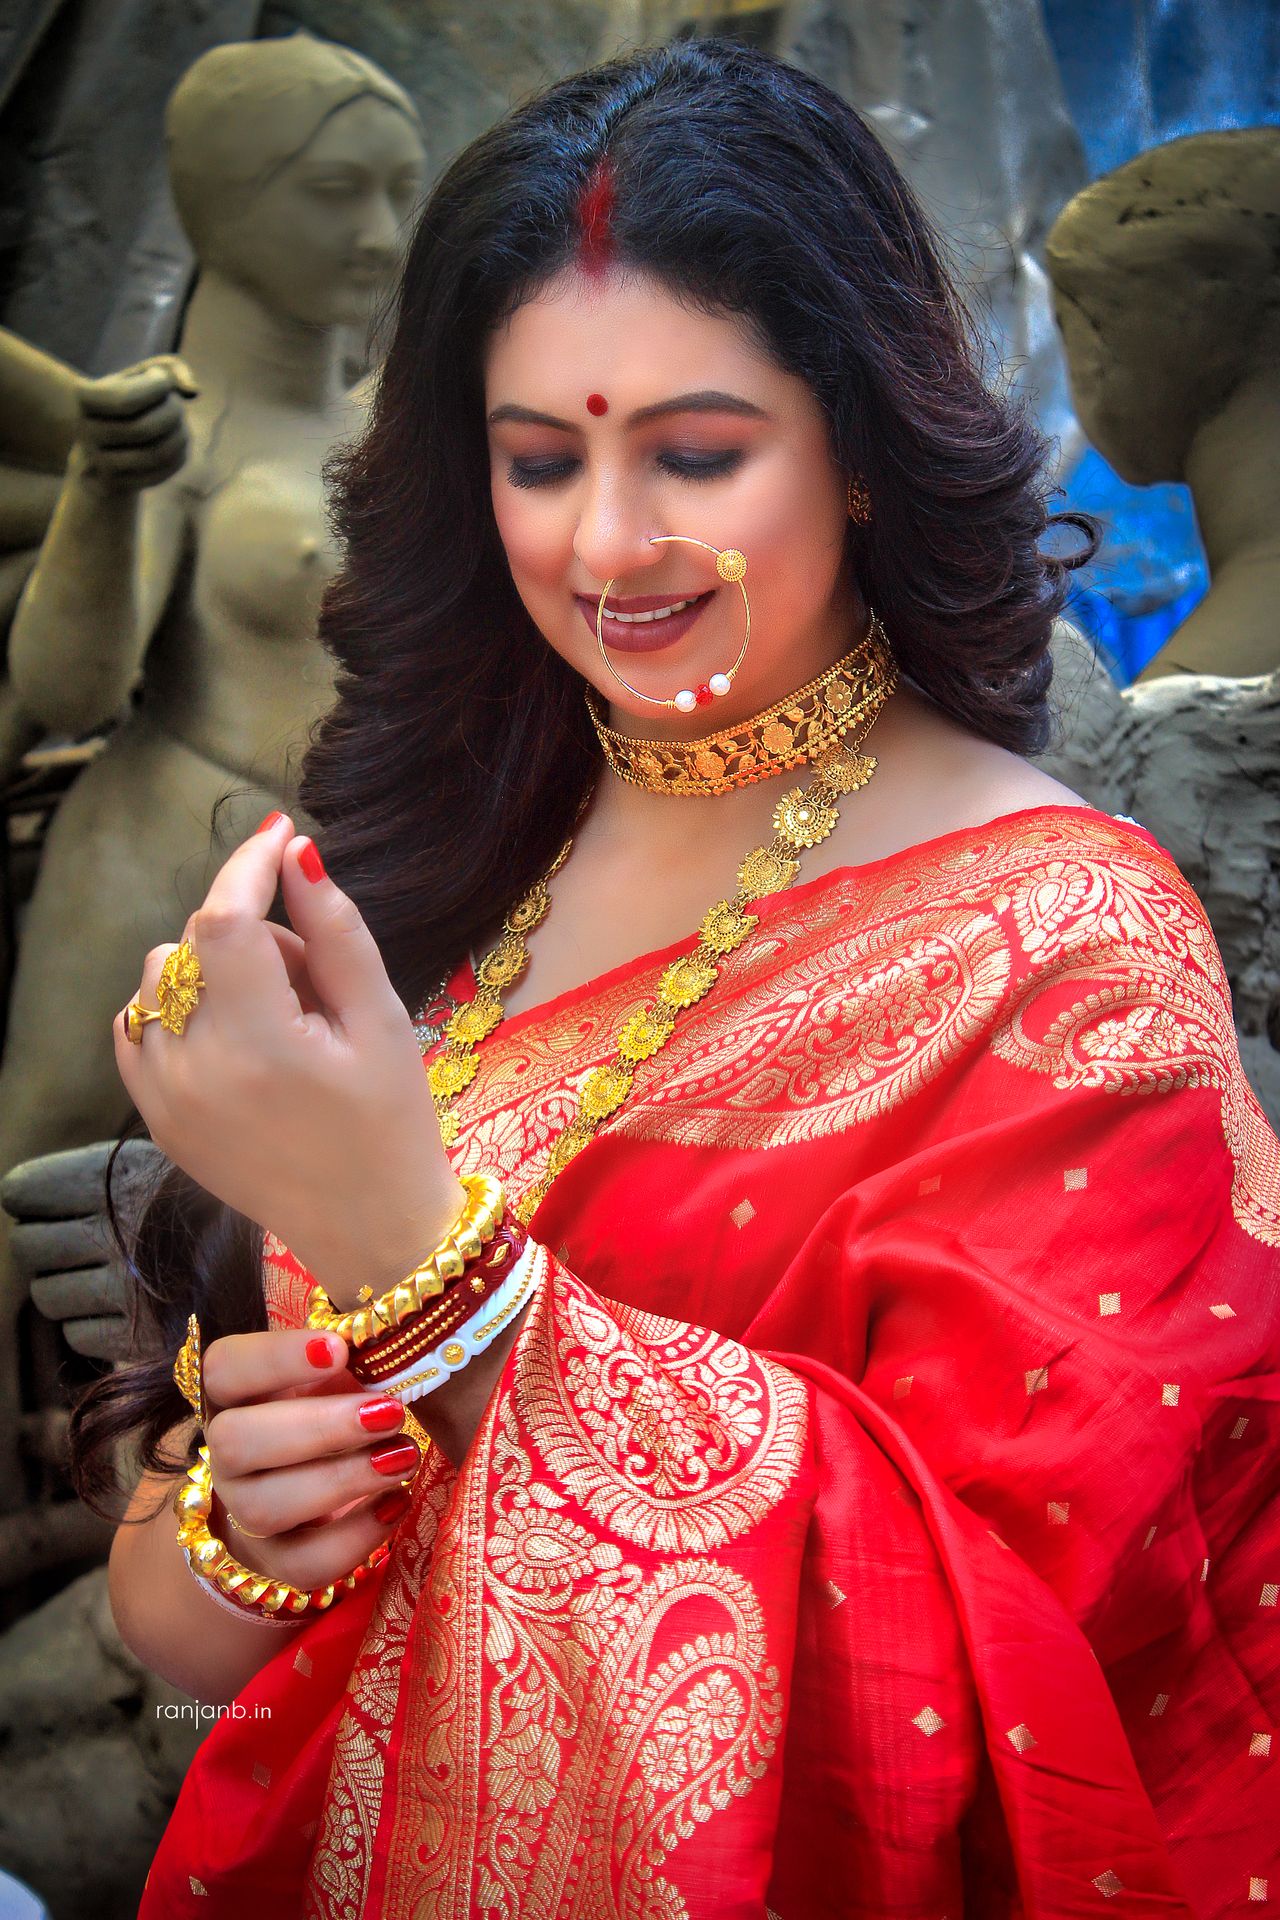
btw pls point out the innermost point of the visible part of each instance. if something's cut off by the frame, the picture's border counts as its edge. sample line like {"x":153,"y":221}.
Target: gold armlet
{"x":466,"y":1240}
{"x":209,"y":1560}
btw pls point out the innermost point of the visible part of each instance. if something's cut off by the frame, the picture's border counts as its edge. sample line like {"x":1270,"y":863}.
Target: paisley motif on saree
{"x":877,"y":1515}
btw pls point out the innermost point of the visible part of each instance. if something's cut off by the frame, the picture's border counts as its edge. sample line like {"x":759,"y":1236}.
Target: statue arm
{"x":109,"y":559}
{"x":37,"y":404}
{"x":27,"y":500}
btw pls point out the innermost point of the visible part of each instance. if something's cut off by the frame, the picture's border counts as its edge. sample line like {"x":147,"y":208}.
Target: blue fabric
{"x":1150,"y":572}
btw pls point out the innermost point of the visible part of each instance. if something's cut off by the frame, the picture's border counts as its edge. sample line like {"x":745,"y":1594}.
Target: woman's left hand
{"x":296,"y":1092}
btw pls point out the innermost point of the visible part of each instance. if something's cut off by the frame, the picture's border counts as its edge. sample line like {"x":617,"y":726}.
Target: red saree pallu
{"x":877,"y":1514}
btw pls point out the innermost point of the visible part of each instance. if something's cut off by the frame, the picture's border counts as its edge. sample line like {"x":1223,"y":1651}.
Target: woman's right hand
{"x":301,"y":1454}
{"x":132,"y":431}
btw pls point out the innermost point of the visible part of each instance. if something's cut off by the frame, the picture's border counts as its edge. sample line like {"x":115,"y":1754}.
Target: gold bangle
{"x":209,"y":1560}
{"x":466,"y":1240}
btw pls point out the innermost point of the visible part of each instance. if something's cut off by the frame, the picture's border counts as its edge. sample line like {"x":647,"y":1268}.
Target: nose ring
{"x":731,"y":565}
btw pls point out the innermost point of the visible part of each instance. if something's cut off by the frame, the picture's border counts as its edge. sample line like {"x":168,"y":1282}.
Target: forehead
{"x":367,"y":131}
{"x":624,"y":335}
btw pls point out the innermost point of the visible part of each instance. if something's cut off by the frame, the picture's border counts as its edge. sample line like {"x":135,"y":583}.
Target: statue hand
{"x":132,"y":430}
{"x":296,"y":1093}
{"x":62,"y":1243}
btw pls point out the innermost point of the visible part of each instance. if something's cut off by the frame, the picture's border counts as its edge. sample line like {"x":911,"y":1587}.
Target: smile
{"x":656,"y":613}
{"x":642,"y":623}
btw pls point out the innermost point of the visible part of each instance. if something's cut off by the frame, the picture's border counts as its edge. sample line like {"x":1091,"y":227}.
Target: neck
{"x":1233,"y":474}
{"x":267,"y":356}
{"x":656,"y":808}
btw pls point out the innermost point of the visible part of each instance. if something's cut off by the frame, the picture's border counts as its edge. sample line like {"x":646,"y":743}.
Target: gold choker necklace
{"x":795,"y":730}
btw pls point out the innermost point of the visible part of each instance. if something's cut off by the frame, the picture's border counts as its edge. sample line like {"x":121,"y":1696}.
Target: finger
{"x":294,"y":954}
{"x":152,"y":968}
{"x":136,"y":1171}
{"x":241,"y":1368}
{"x":87,"y":1293}
{"x":60,"y":1186}
{"x":179,"y":372}
{"x":146,"y":429}
{"x":128,"y":1052}
{"x":270,"y":1434}
{"x":157,"y":454}
{"x":56,"y":1246}
{"x":242,"y":965}
{"x":129,"y":1064}
{"x":312,"y":1558}
{"x":99,"y":1339}
{"x":285,"y":1498}
{"x":343,"y":960}
{"x":122,"y":396}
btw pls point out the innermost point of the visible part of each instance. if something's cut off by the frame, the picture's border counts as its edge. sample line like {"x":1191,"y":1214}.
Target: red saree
{"x":877,"y":1514}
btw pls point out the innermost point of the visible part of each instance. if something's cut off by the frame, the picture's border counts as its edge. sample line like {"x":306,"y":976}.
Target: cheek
{"x":798,"y":551}
{"x":529,"y":535}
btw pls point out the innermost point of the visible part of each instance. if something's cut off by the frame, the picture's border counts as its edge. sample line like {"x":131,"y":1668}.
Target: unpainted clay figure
{"x":1166,"y":277}
{"x":38,"y":415}
{"x":186,"y":559}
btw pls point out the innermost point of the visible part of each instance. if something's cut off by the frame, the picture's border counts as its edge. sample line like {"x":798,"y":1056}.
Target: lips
{"x":633,"y":635}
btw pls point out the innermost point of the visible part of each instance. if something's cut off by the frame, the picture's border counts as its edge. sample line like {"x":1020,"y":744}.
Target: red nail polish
{"x":391,"y":1506}
{"x":310,"y":862}
{"x":319,"y":1352}
{"x":403,"y":1457}
{"x":381,"y":1416}
{"x":269,"y":821}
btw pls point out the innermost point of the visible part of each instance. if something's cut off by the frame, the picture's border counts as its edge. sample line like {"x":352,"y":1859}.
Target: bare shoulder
{"x":935,"y":777}
{"x":970,"y":780}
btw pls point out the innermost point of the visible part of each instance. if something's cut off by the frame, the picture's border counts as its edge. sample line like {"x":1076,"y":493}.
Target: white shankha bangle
{"x":234,"y":1606}
{"x":432,"y":1370}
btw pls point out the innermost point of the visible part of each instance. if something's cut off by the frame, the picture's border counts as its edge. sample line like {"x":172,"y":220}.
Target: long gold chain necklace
{"x":802,"y":818}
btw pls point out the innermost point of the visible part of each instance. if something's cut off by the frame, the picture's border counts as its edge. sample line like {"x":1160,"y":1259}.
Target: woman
{"x":887,"y":1430}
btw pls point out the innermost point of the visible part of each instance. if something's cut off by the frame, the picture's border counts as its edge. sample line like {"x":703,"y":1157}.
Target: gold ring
{"x":136,"y":1017}
{"x":178,"y":988}
{"x":188,"y":1368}
{"x":233,"y":1522}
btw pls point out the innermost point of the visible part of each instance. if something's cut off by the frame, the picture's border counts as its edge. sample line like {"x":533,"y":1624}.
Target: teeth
{"x":658,"y":613}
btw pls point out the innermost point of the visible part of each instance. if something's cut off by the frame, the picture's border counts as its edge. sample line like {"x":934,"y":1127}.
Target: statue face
{"x":1128,"y":385}
{"x":322,"y":240}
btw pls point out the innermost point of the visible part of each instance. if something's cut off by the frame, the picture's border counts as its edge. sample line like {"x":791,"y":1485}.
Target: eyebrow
{"x":706,"y":401}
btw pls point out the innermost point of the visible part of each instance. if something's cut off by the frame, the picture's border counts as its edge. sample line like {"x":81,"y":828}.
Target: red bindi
{"x":597,"y":404}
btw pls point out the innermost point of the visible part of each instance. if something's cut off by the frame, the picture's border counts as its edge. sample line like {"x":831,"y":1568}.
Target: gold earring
{"x":731,"y":566}
{"x":859,"y":502}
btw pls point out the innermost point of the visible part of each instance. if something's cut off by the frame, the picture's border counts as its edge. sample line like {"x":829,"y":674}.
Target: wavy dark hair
{"x":458,"y":751}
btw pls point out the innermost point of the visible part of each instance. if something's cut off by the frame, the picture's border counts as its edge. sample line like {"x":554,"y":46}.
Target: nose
{"x":378,"y":236}
{"x":612,"y":536}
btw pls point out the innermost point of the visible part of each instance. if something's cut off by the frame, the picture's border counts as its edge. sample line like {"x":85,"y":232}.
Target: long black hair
{"x":457,"y":751}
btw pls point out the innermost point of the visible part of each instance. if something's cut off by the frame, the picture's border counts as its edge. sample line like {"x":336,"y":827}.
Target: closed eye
{"x":525,"y":472}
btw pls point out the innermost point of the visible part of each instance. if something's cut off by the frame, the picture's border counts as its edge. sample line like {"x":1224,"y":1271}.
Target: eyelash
{"x":546,"y":473}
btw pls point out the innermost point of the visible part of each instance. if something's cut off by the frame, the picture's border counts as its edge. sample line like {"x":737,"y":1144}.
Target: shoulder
{"x":970,"y":780}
